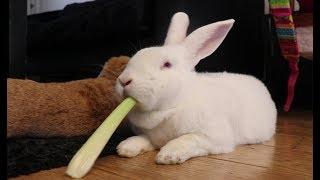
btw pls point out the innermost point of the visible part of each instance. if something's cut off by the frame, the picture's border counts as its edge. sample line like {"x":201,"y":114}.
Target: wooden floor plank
{"x":288,"y":155}
{"x":143,"y":167}
{"x":298,"y":123}
{"x":283,"y":141}
{"x":306,"y":144}
{"x":270,"y":157}
{"x":294,"y":130}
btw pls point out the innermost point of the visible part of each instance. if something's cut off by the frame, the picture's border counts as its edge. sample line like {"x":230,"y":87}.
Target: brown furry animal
{"x":62,"y":109}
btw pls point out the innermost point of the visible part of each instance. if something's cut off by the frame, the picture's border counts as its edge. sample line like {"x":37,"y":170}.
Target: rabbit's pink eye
{"x":167,"y":64}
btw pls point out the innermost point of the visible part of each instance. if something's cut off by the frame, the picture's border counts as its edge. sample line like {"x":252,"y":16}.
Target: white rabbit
{"x":189,"y":114}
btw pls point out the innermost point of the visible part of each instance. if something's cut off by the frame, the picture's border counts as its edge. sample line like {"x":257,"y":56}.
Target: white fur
{"x":177,"y":29}
{"x":189,"y":114}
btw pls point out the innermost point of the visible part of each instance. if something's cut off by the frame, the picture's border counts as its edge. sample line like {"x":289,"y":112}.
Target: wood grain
{"x":287,"y":155}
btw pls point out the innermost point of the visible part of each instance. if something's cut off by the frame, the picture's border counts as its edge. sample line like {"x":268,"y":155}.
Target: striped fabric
{"x":281,"y":12}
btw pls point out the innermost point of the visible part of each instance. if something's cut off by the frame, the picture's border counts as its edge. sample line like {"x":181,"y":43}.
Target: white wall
{"x":40,"y":6}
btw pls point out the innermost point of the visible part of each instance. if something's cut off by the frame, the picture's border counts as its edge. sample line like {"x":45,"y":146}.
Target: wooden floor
{"x":287,"y":156}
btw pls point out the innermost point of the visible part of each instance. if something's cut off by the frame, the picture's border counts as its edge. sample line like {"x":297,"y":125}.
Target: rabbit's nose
{"x":125,"y":83}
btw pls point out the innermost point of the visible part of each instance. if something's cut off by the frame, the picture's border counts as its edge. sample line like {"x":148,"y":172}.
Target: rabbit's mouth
{"x":125,"y":94}
{"x":142,"y":101}
{"x":145,"y":101}
{"x":121,"y":91}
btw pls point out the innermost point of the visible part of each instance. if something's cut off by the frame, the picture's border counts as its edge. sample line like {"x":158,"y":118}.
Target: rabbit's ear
{"x":177,"y":29}
{"x":204,"y":41}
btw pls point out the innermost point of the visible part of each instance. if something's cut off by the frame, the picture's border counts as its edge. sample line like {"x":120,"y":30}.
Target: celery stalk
{"x":84,"y":159}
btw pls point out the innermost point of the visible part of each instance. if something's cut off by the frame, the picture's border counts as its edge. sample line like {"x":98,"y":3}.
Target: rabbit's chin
{"x":143,"y":103}
{"x":143,"y":107}
{"x":146,"y":101}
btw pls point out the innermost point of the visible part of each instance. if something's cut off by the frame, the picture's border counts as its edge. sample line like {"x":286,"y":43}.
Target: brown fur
{"x":62,"y":109}
{"x":114,"y":67}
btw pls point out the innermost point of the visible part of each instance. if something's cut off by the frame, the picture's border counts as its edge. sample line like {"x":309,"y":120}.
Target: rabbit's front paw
{"x":127,"y":149}
{"x":172,"y":155}
{"x":183,"y":148}
{"x":134,"y":146}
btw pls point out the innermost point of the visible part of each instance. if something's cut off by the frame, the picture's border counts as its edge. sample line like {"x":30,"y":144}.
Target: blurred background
{"x":65,"y":40}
